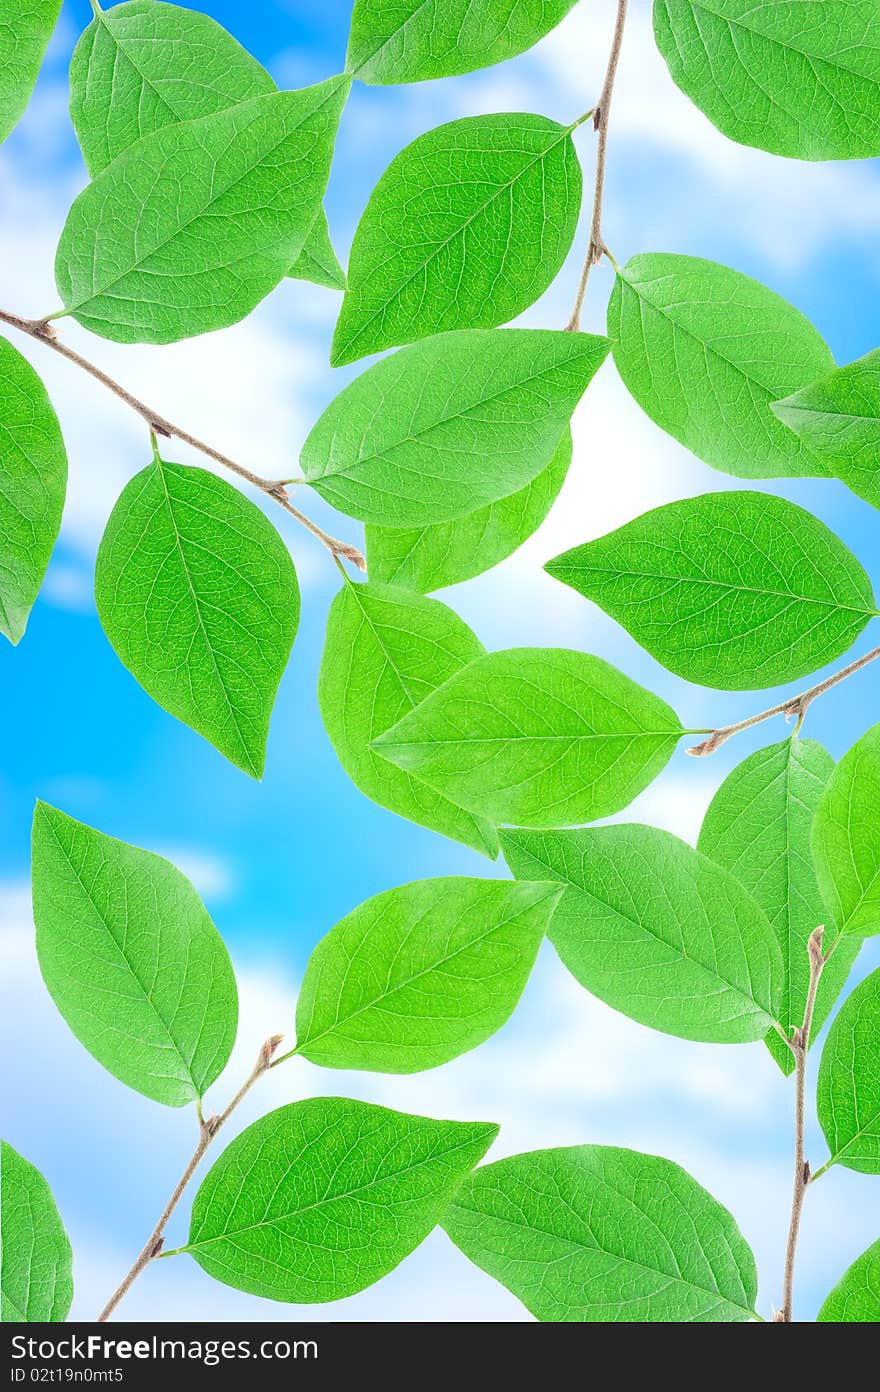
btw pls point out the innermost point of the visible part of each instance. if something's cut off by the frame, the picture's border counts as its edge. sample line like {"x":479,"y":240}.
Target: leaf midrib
{"x":99,"y":292}
{"x":146,"y":995}
{"x":103,"y":20}
{"x":404,"y":985}
{"x":327,"y":1199}
{"x":533,"y":739}
{"x":689,"y":333}
{"x":739,"y":23}
{"x":353,"y":72}
{"x":596,"y":1247}
{"x":459,"y":231}
{"x":348,"y":469}
{"x":803,"y":408}
{"x":649,"y":932}
{"x":159,"y":466}
{"x":725,"y":585}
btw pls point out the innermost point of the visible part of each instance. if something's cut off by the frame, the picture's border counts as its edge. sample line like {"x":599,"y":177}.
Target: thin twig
{"x":275,"y":489}
{"x":208,"y":1128}
{"x":793,"y":707}
{"x":596,"y":247}
{"x":799,"y":1045}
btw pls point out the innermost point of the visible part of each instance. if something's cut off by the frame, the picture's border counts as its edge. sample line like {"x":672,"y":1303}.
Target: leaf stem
{"x":596,"y":247}
{"x":208,"y":1129}
{"x":43,"y":332}
{"x":823,"y":1169}
{"x":795,"y":707}
{"x":799,"y":1044}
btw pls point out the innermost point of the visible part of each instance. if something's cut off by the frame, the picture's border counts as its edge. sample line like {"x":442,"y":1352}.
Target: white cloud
{"x":787,"y":210}
{"x":212,"y":876}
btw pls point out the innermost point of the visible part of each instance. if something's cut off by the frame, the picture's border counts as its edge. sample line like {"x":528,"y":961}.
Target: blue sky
{"x":280,"y":862}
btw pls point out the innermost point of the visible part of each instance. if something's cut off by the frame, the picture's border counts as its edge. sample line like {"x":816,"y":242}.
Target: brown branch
{"x":208,"y":1129}
{"x":799,"y":1045}
{"x":793,"y":707}
{"x":44,"y":332}
{"x":596,"y":247}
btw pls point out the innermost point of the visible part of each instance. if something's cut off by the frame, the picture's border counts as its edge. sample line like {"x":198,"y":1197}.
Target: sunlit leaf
{"x":36,"y":1282}
{"x":601,"y":1235}
{"x":466,"y":228}
{"x":132,"y":960}
{"x":705,"y":351}
{"x":320,"y":1199}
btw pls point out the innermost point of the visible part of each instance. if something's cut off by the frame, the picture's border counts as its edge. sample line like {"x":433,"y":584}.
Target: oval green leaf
{"x":538,"y":736}
{"x":838,"y":420}
{"x":146,"y":257}
{"x":428,"y":558}
{"x":320,"y":1199}
{"x":26,"y":26}
{"x":199,"y":597}
{"x":657,"y":931}
{"x":856,"y":1297}
{"x":386,"y":650}
{"x":132,"y":960}
{"x":733,"y":590}
{"x":846,"y":839}
{"x":141,"y":66}
{"x":848,"y":1089}
{"x":33,"y":481}
{"x":758,"y":826}
{"x":467,"y":227}
{"x":420,"y":974}
{"x":36,"y":1282}
{"x":595,"y":1234}
{"x":705,"y":351}
{"x":797,"y":80}
{"x":444,"y":427}
{"x":414,"y":40}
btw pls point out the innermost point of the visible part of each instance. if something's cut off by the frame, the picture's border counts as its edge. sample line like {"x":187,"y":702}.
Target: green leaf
{"x":856,"y":1297}
{"x":318,"y":261}
{"x":420,"y":974}
{"x":447,"y":426}
{"x":132,"y":960}
{"x":846,"y":839}
{"x":467,"y":227}
{"x":657,"y":930}
{"x":148,"y":257}
{"x":732,"y":590}
{"x":33,"y":480}
{"x":198,"y":595}
{"x":599,"y":1235}
{"x":413,"y":40}
{"x":541,"y":736}
{"x":794,"y":79}
{"x":37,"y":1281}
{"x":838,"y":419}
{"x":758,"y":827}
{"x":25,"y":30}
{"x":705,"y":351}
{"x":141,"y":66}
{"x":320,"y":1199}
{"x":386,"y":650}
{"x":848,"y":1089}
{"x":427,"y":558}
